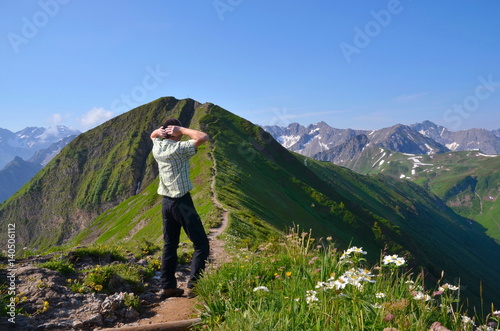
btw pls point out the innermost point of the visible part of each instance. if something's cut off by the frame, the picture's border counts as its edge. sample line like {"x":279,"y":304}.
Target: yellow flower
{"x":288,"y":274}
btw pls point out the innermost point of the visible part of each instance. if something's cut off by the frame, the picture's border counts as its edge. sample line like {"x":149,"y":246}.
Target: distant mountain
{"x":496,"y":132}
{"x":43,"y":156}
{"x":34,"y":144}
{"x":26,"y":142}
{"x":14,"y":175}
{"x":102,"y":188}
{"x":465,"y":140}
{"x":347,"y":146}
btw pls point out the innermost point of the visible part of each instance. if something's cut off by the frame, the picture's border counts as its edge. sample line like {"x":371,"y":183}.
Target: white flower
{"x":341,"y":282}
{"x":399,"y":261}
{"x":311,"y":296}
{"x":355,"y":249}
{"x":380,"y":295}
{"x":466,"y":320}
{"x":421,"y":296}
{"x":261,"y":288}
{"x":389,"y":259}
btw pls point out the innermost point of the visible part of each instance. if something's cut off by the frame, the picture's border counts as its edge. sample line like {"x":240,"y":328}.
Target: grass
{"x":298,"y":283}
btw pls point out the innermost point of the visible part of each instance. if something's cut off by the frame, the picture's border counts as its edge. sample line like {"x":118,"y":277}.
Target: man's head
{"x":170,"y":121}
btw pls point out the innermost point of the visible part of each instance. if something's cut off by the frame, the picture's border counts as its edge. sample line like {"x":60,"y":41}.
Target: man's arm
{"x":158,"y":133}
{"x":198,"y":136}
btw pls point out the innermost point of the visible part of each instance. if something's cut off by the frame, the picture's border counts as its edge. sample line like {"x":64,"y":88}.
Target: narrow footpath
{"x":181,"y":313}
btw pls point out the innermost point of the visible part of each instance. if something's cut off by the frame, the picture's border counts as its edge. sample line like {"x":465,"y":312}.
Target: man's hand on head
{"x":173,"y":130}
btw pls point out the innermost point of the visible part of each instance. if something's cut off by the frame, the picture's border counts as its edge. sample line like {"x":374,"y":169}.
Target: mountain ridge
{"x":26,"y":142}
{"x":418,"y":138}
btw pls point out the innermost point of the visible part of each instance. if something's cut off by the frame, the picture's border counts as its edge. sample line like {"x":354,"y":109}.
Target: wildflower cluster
{"x":352,"y":250}
{"x":354,"y":277}
{"x":294,"y":285}
{"x":393,"y":259}
{"x":311,"y":296}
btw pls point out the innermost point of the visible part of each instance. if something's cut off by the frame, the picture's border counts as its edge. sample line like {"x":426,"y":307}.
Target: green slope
{"x":98,"y":170}
{"x":468,"y":181}
{"x":261,"y":181}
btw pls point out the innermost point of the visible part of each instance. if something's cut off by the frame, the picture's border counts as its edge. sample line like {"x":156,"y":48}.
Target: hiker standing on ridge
{"x":178,"y":209}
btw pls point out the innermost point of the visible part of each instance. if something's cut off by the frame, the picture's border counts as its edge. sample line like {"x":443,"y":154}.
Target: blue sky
{"x":352,"y":64}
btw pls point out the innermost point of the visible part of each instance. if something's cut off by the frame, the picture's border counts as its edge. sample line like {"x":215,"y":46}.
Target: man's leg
{"x":171,"y":233}
{"x":194,"y":229}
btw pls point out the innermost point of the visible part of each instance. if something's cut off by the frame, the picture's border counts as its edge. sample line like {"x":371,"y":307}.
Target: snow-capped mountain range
{"x":25,"y":143}
{"x":24,"y":153}
{"x":342,"y":146}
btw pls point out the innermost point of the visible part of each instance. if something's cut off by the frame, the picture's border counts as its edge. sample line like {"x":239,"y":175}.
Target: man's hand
{"x":173,"y":130}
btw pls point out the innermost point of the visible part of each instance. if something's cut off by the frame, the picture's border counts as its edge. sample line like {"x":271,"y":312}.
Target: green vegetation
{"x":99,"y":170}
{"x":101,"y":189}
{"x":299,"y":283}
{"x":466,"y":181}
{"x":266,"y":189}
{"x":60,"y":265}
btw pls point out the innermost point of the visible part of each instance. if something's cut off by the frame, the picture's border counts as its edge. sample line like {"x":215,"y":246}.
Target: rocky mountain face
{"x":465,"y":140}
{"x":347,"y":146}
{"x":23,"y":151}
{"x":25,"y":143}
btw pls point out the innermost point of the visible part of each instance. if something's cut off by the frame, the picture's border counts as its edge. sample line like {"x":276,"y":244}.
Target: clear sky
{"x":353,"y":64}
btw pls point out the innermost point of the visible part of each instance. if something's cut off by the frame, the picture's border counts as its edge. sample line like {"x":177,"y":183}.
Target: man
{"x":178,"y":209}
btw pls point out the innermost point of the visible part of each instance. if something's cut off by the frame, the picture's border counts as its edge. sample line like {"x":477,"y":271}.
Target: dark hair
{"x":170,"y":121}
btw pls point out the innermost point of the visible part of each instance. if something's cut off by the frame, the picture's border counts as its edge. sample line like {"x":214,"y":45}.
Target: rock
{"x":131,"y":313}
{"x":94,"y":320}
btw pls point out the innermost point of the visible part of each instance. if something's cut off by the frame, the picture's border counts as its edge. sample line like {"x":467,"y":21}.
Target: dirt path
{"x":182,"y":308}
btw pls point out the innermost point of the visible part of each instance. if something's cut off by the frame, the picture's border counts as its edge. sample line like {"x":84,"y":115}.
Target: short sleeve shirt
{"x":173,"y":164}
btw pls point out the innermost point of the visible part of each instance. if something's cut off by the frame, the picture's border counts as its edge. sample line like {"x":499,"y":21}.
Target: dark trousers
{"x":177,"y":213}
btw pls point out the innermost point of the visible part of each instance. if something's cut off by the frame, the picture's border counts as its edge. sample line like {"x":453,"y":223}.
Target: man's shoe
{"x":190,"y":294}
{"x":170,"y":292}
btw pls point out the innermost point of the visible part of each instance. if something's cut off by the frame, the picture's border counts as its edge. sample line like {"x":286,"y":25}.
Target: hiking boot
{"x":170,"y":292}
{"x":190,"y":293}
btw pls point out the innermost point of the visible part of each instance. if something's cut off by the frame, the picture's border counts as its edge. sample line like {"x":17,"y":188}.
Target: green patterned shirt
{"x":173,"y":164}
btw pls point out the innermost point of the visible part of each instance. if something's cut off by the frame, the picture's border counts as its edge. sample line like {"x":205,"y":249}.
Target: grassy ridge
{"x":261,"y":181}
{"x":98,"y":170}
